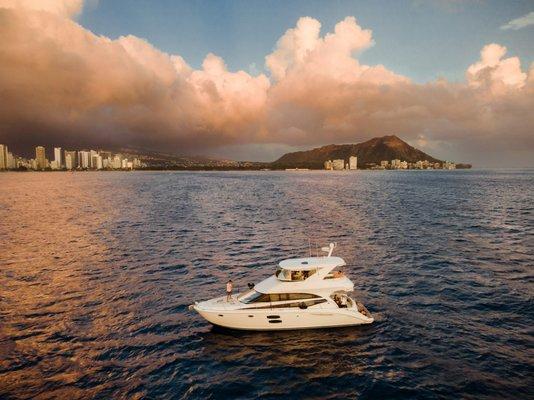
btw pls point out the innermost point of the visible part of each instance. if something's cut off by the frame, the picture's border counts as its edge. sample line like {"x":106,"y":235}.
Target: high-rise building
{"x":3,"y":156}
{"x":11,"y":161}
{"x":40,"y":157}
{"x":353,"y":162}
{"x":338,"y":164}
{"x":84,"y":160}
{"x":70,"y":160}
{"x":117,"y":162}
{"x":57,"y":157}
{"x":96,"y":161}
{"x":92,"y":159}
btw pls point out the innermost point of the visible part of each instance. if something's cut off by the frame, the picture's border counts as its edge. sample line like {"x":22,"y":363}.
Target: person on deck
{"x":229,"y":288}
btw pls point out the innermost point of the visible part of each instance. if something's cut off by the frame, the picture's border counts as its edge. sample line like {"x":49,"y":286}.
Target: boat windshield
{"x":287,"y":275}
{"x":251,"y":296}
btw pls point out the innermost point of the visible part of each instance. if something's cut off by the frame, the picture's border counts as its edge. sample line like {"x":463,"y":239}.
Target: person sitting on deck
{"x":336,"y":299}
{"x":343,"y":302}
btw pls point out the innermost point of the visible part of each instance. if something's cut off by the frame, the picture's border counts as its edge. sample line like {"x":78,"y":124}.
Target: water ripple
{"x":97,"y":271}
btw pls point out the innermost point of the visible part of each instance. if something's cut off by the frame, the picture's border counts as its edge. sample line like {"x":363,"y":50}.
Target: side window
{"x":308,"y":303}
{"x":301,"y":296}
{"x":262,"y":298}
{"x":280,"y":297}
{"x":274,"y":297}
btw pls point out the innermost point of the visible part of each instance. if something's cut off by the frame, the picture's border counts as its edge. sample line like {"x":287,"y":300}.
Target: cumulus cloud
{"x":61,"y":84}
{"x":494,"y":71}
{"x":519,"y":23}
{"x":66,"y":8}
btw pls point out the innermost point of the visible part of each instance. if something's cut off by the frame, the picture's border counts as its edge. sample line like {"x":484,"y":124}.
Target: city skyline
{"x":458,"y":83}
{"x":69,"y":160}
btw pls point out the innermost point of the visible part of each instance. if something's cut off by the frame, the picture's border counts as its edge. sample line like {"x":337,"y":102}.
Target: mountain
{"x":370,"y":152}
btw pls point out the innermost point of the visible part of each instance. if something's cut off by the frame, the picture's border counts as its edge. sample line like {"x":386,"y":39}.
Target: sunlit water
{"x":97,"y":271}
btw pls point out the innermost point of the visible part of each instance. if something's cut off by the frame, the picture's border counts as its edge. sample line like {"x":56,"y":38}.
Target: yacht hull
{"x":278,"y":319}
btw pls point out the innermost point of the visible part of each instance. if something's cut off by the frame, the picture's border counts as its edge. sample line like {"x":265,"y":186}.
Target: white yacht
{"x":303,"y":293}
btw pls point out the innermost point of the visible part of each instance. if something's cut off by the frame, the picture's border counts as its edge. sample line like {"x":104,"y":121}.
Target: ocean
{"x":97,"y":270}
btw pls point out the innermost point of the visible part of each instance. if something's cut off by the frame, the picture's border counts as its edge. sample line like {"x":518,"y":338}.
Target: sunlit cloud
{"x":63,"y":84}
{"x":519,"y":23}
{"x":66,"y":8}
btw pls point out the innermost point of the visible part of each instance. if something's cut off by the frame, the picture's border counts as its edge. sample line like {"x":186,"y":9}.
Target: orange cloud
{"x":66,"y":8}
{"x":60,"y":83}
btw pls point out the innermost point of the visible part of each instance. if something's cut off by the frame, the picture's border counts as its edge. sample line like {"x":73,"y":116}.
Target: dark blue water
{"x":97,"y":271}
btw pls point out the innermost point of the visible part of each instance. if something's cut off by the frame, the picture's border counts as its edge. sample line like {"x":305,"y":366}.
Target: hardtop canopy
{"x":311,"y":263}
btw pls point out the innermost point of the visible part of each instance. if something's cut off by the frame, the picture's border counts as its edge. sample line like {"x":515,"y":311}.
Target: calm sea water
{"x":97,"y":271}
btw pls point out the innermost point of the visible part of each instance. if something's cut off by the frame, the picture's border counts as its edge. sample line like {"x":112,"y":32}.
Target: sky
{"x":255,"y":79}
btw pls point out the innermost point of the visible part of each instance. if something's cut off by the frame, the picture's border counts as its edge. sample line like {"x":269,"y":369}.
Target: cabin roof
{"x":310,"y":263}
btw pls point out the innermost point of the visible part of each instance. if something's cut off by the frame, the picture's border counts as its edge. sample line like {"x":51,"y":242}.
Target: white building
{"x":92,"y":160}
{"x":57,"y":158}
{"x":117,"y":162}
{"x":69,"y":162}
{"x":98,"y":164}
{"x":328,"y":165}
{"x":40,"y":157}
{"x":84,"y":160}
{"x":395,"y":164}
{"x":353,"y":162}
{"x":11,"y":161}
{"x":3,"y":156}
{"x":338,"y":165}
{"x":449,"y":165}
{"x":384,"y":164}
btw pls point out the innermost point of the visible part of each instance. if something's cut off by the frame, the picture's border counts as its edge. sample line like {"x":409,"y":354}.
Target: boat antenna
{"x":329,"y":249}
{"x":309,"y":245}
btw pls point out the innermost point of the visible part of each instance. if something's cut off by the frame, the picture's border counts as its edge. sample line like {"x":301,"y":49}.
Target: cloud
{"x":494,"y":72}
{"x":61,"y":84}
{"x":519,"y":23}
{"x":66,"y":8}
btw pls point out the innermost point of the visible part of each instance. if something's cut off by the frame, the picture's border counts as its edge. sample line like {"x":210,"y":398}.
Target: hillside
{"x":370,"y":152}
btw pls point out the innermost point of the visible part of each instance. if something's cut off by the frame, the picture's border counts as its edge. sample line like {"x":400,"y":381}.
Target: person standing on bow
{"x":229,"y":288}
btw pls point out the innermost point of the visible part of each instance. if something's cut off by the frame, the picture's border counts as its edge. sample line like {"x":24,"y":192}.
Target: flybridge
{"x":309,"y":263}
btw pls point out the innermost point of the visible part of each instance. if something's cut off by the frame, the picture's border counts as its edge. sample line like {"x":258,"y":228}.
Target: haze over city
{"x":254,"y":80}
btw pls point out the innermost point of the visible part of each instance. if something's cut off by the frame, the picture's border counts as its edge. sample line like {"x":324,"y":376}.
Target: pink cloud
{"x":63,"y":84}
{"x":66,"y":8}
